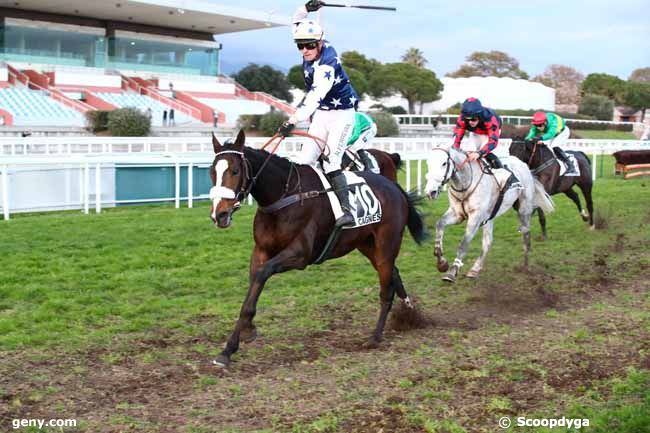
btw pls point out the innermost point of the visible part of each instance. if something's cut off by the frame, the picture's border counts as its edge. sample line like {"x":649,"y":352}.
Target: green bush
{"x":97,"y":120}
{"x":598,"y":126}
{"x":600,"y":107}
{"x":249,"y":122}
{"x":386,"y":124}
{"x":513,"y":131}
{"x":128,"y":122}
{"x":271,"y":121}
{"x":397,"y":109}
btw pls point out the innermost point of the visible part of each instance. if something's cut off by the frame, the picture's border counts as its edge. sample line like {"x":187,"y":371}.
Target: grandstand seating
{"x":142,"y":102}
{"x":34,"y":107}
{"x":233,"y":108}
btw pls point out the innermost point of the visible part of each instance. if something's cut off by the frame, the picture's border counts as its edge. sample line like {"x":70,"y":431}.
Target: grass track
{"x":111,"y":318}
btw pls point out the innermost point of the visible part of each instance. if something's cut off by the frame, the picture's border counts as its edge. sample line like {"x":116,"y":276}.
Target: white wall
{"x":498,"y":93}
{"x":4,"y":73}
{"x":76,"y":79}
{"x":197,"y":86}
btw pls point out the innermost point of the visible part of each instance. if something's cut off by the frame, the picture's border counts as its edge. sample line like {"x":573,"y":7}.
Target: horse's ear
{"x":241,"y":139}
{"x":215,"y":144}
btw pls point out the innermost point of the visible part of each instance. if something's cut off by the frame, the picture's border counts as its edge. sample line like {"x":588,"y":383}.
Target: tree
{"x":413,"y":83}
{"x":489,"y":64}
{"x":296,"y":77}
{"x":642,"y":75}
{"x":566,"y":82}
{"x":358,"y":81}
{"x":355,"y":60}
{"x":414,"y":57}
{"x":637,"y":95}
{"x":597,"y":106}
{"x":606,"y":85}
{"x":264,"y":79}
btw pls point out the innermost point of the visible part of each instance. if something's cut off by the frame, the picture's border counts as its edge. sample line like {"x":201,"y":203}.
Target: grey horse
{"x":473,"y":194}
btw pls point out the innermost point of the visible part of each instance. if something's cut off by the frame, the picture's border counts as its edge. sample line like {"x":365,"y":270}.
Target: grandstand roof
{"x":193,"y":15}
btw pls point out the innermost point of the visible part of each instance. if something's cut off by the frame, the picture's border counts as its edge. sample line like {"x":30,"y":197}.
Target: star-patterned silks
{"x":328,"y":84}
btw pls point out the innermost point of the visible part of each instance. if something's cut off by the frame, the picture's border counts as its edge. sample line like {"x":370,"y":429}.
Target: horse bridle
{"x":532,"y":153}
{"x":246,"y":183}
{"x":450,"y":173}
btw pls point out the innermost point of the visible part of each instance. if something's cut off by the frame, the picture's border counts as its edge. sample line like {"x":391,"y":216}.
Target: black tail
{"x":415,"y":222}
{"x":397,"y":160}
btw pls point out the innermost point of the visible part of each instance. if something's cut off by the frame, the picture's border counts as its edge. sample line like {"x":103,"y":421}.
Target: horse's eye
{"x":444,"y":164}
{"x":235,"y":171}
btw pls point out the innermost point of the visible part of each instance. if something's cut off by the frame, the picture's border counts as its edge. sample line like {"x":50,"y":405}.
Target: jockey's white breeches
{"x":335,"y":128}
{"x":364,"y":139}
{"x":560,"y":139}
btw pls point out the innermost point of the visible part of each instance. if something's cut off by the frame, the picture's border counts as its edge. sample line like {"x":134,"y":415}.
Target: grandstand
{"x":60,"y":59}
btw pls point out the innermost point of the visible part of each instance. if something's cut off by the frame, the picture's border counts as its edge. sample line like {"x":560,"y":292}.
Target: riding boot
{"x":565,"y":159}
{"x":364,"y":155}
{"x":340,"y":186}
{"x":494,"y":161}
{"x":496,"y":164}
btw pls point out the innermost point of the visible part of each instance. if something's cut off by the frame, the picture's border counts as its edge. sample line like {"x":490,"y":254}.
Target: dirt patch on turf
{"x":453,"y":364}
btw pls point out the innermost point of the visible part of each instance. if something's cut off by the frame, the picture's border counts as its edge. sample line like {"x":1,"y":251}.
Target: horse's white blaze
{"x":218,"y":191}
{"x":436,"y":171}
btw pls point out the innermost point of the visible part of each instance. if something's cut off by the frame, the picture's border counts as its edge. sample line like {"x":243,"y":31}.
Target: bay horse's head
{"x":523,"y":150}
{"x":440,"y":170}
{"x":230,"y":174}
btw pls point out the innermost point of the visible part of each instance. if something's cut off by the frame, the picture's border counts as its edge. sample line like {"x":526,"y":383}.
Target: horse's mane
{"x":282,"y":162}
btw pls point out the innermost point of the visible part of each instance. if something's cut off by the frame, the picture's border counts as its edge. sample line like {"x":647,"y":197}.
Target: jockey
{"x":484,"y":127}
{"x":364,"y":131}
{"x":551,"y":129}
{"x":330,"y":103}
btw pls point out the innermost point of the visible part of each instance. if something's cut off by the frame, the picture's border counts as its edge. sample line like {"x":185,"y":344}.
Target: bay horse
{"x":545,"y":167}
{"x":293,"y":236}
{"x":389,"y":163}
{"x":473,"y":196}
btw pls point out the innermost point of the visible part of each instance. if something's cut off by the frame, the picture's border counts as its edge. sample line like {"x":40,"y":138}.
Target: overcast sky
{"x":592,"y":36}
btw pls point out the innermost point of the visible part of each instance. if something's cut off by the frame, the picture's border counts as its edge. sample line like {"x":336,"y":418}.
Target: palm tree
{"x":415,"y":57}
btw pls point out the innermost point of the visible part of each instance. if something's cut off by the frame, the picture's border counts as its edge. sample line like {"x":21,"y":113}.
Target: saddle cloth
{"x":505,"y":176}
{"x":365,"y":206}
{"x":563,"y":168}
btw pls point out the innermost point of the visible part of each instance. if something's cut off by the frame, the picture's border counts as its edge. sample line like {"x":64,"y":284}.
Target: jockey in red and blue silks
{"x":484,"y":126}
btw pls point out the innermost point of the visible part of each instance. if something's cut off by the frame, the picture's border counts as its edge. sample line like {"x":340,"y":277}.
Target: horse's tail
{"x":541,"y":198}
{"x":397,"y":160}
{"x":415,"y":222}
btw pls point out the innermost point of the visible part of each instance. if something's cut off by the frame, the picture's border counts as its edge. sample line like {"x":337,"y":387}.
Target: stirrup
{"x":345,"y":220}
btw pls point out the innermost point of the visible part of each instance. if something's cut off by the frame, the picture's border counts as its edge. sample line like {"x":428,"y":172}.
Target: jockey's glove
{"x":313,"y":5}
{"x":286,"y":128}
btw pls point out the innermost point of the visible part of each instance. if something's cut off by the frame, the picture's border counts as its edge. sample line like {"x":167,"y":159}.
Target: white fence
{"x":54,"y":173}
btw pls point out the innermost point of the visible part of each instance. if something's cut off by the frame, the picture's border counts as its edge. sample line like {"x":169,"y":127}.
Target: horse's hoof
{"x":372,"y":343}
{"x":585,"y":218}
{"x":443,"y":265}
{"x":221,"y":361}
{"x":450,"y":278}
{"x":472,"y":274}
{"x":592,"y":227}
{"x":248,"y":335}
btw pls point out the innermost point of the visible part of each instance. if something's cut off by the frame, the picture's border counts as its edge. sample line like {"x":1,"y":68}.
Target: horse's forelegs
{"x":446,"y":219}
{"x":485,"y":247}
{"x":470,"y":231}
{"x":260,"y":271}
